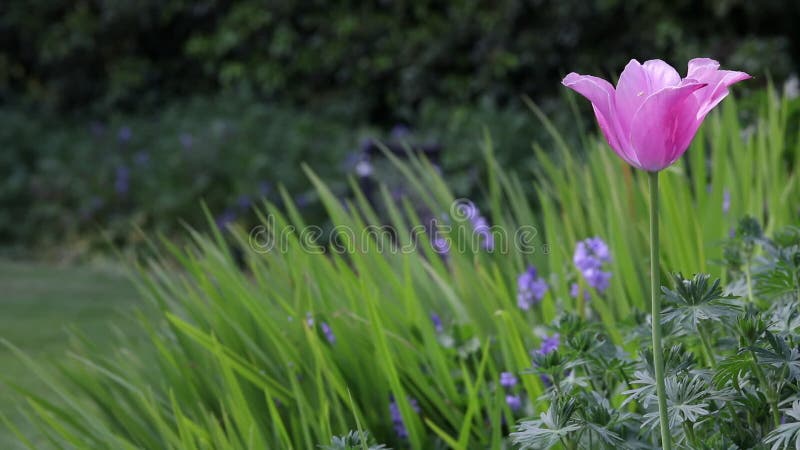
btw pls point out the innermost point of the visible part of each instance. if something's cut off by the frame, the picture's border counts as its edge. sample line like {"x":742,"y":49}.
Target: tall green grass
{"x":236,"y":364}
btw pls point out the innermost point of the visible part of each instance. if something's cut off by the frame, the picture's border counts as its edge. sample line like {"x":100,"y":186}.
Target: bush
{"x":375,"y":62}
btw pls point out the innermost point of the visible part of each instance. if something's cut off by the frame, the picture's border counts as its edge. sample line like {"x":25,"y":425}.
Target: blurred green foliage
{"x":66,"y":180}
{"x":377,"y":60}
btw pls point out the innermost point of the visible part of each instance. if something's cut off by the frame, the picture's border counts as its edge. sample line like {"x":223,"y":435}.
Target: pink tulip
{"x":649,"y":120}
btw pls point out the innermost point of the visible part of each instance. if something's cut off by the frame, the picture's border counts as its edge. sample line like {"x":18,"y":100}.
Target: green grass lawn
{"x":40,"y":303}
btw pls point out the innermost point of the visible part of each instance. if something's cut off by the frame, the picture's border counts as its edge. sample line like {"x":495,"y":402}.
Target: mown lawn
{"x":40,"y":303}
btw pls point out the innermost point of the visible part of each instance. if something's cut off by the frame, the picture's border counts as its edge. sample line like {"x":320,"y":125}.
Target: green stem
{"x":706,"y":341}
{"x":749,"y":281}
{"x":770,"y":393}
{"x":690,"y":436}
{"x":655,"y":297}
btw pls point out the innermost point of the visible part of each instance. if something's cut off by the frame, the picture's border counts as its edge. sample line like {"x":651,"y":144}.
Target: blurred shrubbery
{"x":377,"y":61}
{"x":65,"y":180}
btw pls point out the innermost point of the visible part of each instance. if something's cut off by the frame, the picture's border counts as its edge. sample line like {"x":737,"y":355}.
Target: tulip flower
{"x":649,"y":120}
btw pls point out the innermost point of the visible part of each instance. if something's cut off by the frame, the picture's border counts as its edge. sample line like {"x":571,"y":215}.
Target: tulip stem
{"x":655,"y":297}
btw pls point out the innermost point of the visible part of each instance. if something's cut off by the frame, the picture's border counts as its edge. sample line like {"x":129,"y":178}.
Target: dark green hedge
{"x":377,"y":60}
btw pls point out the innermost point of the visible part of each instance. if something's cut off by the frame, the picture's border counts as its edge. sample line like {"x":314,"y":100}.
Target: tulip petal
{"x":707,"y":71}
{"x":661,"y":74}
{"x":660,"y":126}
{"x":633,"y":88}
{"x":601,"y":93}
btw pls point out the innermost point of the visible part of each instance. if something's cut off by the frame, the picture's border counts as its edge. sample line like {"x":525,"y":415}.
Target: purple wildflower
{"x":514,"y":402}
{"x":507,"y":380}
{"x":264,"y":188}
{"x":400,"y":131}
{"x":598,"y":279}
{"x":550,"y":344}
{"x":397,"y":417}
{"x":326,"y":330}
{"x":244,"y":201}
{"x":186,"y":140}
{"x":575,"y":289}
{"x":483,"y":231}
{"x":589,"y":257}
{"x":440,"y":245}
{"x":227,"y":217}
{"x":437,"y":323}
{"x":363,"y":168}
{"x":726,"y":201}
{"x":124,"y":134}
{"x":309,"y":320}
{"x":530,"y":288}
{"x":122,"y":181}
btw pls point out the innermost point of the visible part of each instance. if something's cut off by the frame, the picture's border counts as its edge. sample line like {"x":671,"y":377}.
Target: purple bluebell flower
{"x":507,"y":380}
{"x":363,"y":168}
{"x":597,"y":279}
{"x":264,"y":188}
{"x":227,"y":217}
{"x":440,"y":245}
{"x":575,"y":290}
{"x":530,"y":288}
{"x":122,"y":181}
{"x":186,"y":140}
{"x":397,"y":417}
{"x":589,"y":257}
{"x":124,"y":134}
{"x":244,"y":201}
{"x":484,"y":232}
{"x":326,"y":330}
{"x":726,"y":201}
{"x":550,"y":344}
{"x":514,"y":402}
{"x":437,"y":323}
{"x":400,"y":131}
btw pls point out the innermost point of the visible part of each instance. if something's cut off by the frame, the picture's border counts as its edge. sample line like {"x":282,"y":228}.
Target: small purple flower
{"x":530,"y":289}
{"x":264,"y":188}
{"x":400,"y":131}
{"x":309,"y":320}
{"x":598,"y":279}
{"x":483,"y":231}
{"x":244,"y":201}
{"x":507,"y":380}
{"x":397,"y":417}
{"x":122,"y":181}
{"x":726,"y":201}
{"x":440,"y":245}
{"x":575,"y":289}
{"x":124,"y":134}
{"x":589,"y":257}
{"x":363,"y":168}
{"x":437,"y":323}
{"x":186,"y":140}
{"x":514,"y":402}
{"x":326,"y":330}
{"x":227,"y":217}
{"x":550,"y":344}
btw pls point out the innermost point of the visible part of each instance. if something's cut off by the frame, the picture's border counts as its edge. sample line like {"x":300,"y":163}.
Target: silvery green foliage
{"x":732,"y":363}
{"x":354,"y":440}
